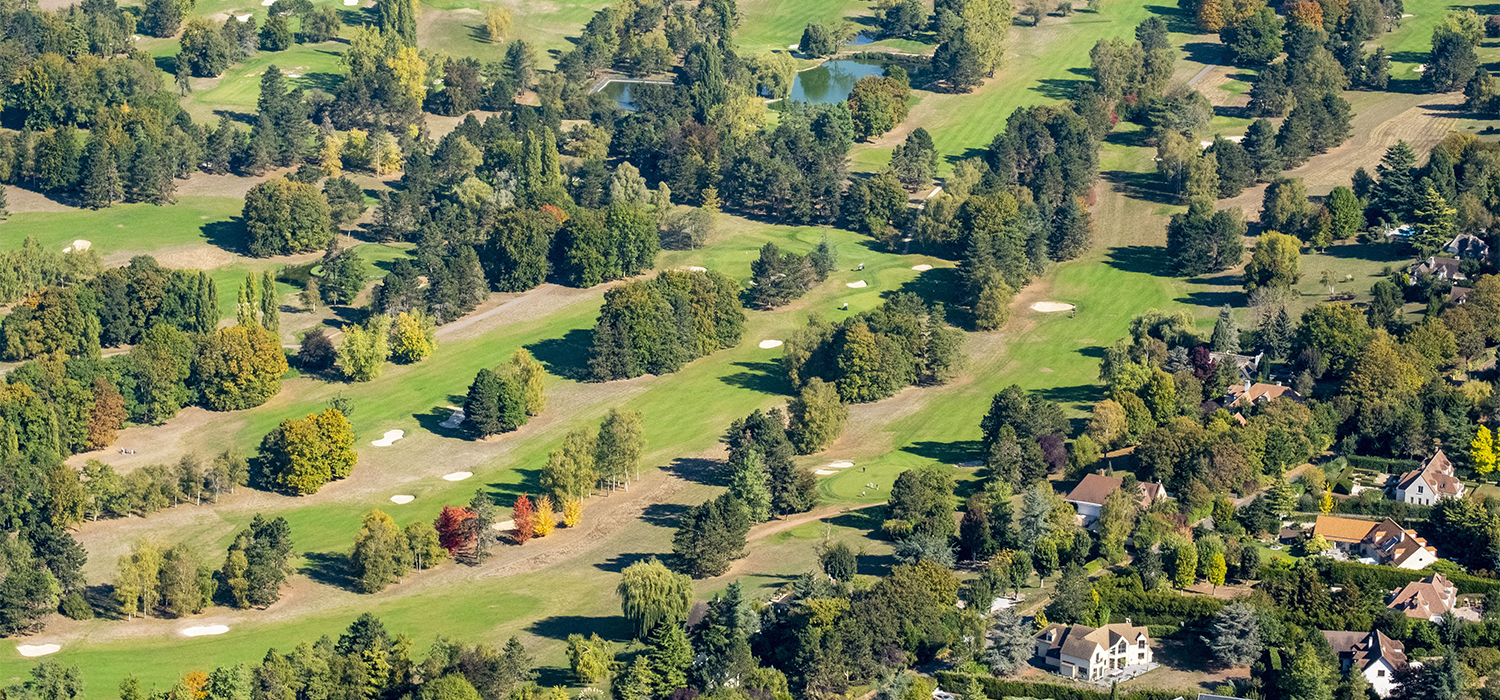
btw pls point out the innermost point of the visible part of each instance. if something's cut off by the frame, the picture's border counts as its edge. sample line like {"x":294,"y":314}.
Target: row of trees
{"x":154,"y":581}
{"x":502,"y":400}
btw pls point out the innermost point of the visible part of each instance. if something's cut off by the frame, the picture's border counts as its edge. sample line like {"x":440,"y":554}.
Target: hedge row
{"x":1000,"y":688}
{"x":1391,"y":578}
{"x":1383,"y":464}
{"x":1160,"y":607}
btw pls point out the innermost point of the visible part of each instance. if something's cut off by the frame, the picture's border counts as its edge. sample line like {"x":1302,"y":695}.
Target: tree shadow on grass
{"x":698,"y":470}
{"x":1138,"y":138}
{"x":614,"y":628}
{"x":874,"y":564}
{"x":944,"y":284}
{"x":947,"y":452}
{"x":1374,"y":252}
{"x":618,"y":562}
{"x":229,"y":235}
{"x":505,"y":495}
{"x":432,"y":419}
{"x":329,"y":569}
{"x":241,"y":117}
{"x":765,"y":377}
{"x":554,"y":676}
{"x":1146,"y":186}
{"x":1207,"y":53}
{"x":101,"y":597}
{"x":1078,"y":394}
{"x":664,"y":514}
{"x":566,"y":357}
{"x":1143,"y":259}
{"x":1058,"y":88}
{"x":866,"y":519}
{"x":327,"y":82}
{"x":1212,"y":299}
{"x":1178,"y":21}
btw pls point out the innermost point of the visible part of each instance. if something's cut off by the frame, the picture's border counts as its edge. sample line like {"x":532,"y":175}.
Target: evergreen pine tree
{"x":1276,"y":335}
{"x":1260,"y":144}
{"x":206,"y":310}
{"x":1395,"y":183}
{"x":481,"y":406}
{"x":1226,"y":337}
{"x":1072,"y":232}
{"x":101,"y":176}
{"x":748,"y":482}
{"x":145,"y":171}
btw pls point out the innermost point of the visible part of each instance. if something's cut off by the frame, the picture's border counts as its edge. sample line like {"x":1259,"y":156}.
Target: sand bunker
{"x":1048,"y":307}
{"x":389,"y":437}
{"x":402,"y":499}
{"x":351,"y":3}
{"x":695,"y":268}
{"x":507,"y":525}
{"x":32,"y":650}
{"x":856,"y":285}
{"x":839,"y":465}
{"x":78,"y":246}
{"x":457,"y":476}
{"x":454,"y":420}
{"x":205,"y":630}
{"x":921,"y":268}
{"x":825,"y":472}
{"x":243,"y":18}
{"x":768,"y":344}
{"x":267,"y":3}
{"x":1420,"y":69}
{"x":1405,"y":16}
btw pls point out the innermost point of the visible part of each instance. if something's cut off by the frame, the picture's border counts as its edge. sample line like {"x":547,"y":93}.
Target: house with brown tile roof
{"x":1383,"y":541}
{"x":1089,"y":495}
{"x":1248,"y":394}
{"x":1088,"y":653}
{"x":1376,"y":656}
{"x":1427,"y":599}
{"x":1441,"y":268}
{"x":1429,"y":483}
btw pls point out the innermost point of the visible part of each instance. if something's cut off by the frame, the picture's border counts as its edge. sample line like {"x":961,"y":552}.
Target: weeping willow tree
{"x":651,"y":595}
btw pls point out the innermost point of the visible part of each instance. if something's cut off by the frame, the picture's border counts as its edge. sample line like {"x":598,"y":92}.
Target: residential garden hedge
{"x":1391,"y":578}
{"x":1000,"y":688}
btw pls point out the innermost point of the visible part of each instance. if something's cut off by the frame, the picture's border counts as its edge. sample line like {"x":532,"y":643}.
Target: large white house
{"x":1384,"y":541}
{"x":1087,"y":653}
{"x":1432,"y":481}
{"x":1373,"y":654}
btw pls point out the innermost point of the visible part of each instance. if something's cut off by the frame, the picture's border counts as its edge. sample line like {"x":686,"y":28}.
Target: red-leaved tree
{"x":524,"y":516}
{"x":453,"y":529}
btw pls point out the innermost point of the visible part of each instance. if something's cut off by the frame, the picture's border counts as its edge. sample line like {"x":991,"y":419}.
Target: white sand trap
{"x":34,"y":650}
{"x":792,"y":47}
{"x":402,"y":500}
{"x":1405,"y":16}
{"x":839,"y":465}
{"x":454,"y":420}
{"x":768,"y":344}
{"x":1420,"y":69}
{"x":695,"y":268}
{"x":244,"y":18}
{"x":507,"y":525}
{"x":825,"y":472}
{"x":351,"y":3}
{"x":293,"y":75}
{"x":857,"y":285}
{"x":78,"y":246}
{"x":457,"y":476}
{"x":1048,"y":307}
{"x":921,"y":268}
{"x":389,"y":437}
{"x":206,"y":630}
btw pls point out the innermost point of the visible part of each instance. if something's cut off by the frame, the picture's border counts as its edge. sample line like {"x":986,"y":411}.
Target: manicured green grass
{"x":768,"y":25}
{"x":133,"y":227}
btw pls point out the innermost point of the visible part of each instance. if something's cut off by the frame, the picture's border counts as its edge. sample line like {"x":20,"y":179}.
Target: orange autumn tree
{"x":196,"y":683}
{"x":524,"y":516}
{"x":453,"y":529}
{"x":1307,"y":14}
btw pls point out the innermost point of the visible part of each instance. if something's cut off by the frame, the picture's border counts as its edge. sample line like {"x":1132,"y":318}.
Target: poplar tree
{"x":101,"y":177}
{"x":249,"y":302}
{"x":270,"y":313}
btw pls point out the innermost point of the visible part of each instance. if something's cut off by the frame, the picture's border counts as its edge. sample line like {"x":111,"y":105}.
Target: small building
{"x":1441,"y":268}
{"x":1429,"y":483}
{"x":1458,"y":295}
{"x":1089,"y":495}
{"x":1248,"y":394}
{"x":1384,"y":541}
{"x":1374,"y":655}
{"x":1248,"y":366}
{"x":1086,"y":653}
{"x":1427,"y":599}
{"x":1466,"y":246}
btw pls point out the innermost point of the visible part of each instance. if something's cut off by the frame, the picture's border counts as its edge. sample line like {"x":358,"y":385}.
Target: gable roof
{"x":1443,"y":267}
{"x":1364,"y":649}
{"x":1466,"y":245}
{"x":1437,"y":472}
{"x":1425,"y":599}
{"x":1094,"y":489}
{"x":1393,"y":544}
{"x":1247,"y":393}
{"x":1080,"y":641}
{"x":1336,"y":529}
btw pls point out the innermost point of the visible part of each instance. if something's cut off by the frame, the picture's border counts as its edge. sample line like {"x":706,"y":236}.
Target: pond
{"x":861,"y":39}
{"x":831,"y":82}
{"x":619,"y":92}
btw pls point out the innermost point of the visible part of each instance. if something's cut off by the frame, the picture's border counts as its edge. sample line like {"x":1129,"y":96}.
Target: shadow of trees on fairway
{"x":619,"y":562}
{"x":664,"y":514}
{"x":947,"y":452}
{"x":229,"y":235}
{"x":1142,"y":259}
{"x":566,"y":357}
{"x":330,"y":569}
{"x":614,"y":628}
{"x":765,"y":377}
{"x":697,"y":470}
{"x":1145,"y":186}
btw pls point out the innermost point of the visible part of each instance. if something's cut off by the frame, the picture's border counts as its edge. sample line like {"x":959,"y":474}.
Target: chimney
{"x":1247,"y":386}
{"x":1127,"y":622}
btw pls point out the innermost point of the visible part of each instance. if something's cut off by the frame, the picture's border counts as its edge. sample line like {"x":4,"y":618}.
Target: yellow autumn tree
{"x":1482,"y":451}
{"x":572,"y":511}
{"x":496,"y":23}
{"x":410,"y":72}
{"x":546,"y":520}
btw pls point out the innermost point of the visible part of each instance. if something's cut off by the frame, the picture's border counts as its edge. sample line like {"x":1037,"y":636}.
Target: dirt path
{"x":765,"y":530}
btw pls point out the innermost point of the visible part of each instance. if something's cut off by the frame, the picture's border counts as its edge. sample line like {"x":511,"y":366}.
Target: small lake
{"x":620,"y":92}
{"x":831,"y":82}
{"x":861,"y":39}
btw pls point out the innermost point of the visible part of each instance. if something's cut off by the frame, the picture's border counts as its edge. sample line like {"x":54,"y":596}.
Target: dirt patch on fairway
{"x":21,"y":200}
{"x":165,"y":443}
{"x":522,"y":308}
